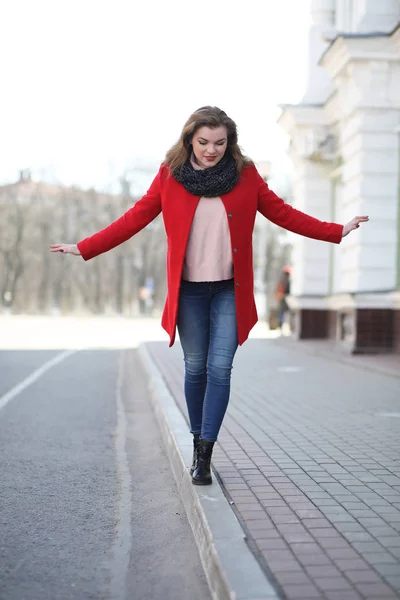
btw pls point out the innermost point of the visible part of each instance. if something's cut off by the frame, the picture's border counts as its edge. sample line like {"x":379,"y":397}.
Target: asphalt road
{"x":88,"y":505}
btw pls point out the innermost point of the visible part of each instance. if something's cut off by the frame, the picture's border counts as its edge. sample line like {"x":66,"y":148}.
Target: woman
{"x":209,"y":193}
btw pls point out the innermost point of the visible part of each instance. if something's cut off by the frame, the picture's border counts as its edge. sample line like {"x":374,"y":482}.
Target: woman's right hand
{"x":65,"y":249}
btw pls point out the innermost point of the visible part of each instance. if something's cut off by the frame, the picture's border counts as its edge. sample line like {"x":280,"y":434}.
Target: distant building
{"x":345,"y":153}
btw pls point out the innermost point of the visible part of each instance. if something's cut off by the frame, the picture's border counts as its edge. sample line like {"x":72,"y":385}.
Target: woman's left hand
{"x":353,"y":224}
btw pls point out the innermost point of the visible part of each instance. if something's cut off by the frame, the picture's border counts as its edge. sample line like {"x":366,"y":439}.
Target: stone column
{"x":311,"y":259}
{"x":307,"y":127}
{"x":366,"y":75}
{"x":319,"y":85}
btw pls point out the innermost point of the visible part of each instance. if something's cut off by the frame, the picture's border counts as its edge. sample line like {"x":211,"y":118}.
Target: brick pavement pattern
{"x":309,"y":456}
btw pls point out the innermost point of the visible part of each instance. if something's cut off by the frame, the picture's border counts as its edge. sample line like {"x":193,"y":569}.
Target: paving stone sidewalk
{"x":309,"y":454}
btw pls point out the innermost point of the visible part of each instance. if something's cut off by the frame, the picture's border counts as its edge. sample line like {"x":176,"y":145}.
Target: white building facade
{"x":345,"y":153}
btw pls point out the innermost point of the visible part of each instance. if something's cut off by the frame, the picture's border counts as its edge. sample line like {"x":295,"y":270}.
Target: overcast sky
{"x":89,"y":87}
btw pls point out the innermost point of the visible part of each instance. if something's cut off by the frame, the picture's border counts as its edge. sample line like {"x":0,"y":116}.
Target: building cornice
{"x":301,"y":115}
{"x":346,"y":48}
{"x":332,"y":109}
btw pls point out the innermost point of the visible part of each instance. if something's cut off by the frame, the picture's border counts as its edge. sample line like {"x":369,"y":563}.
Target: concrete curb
{"x":232,"y":571}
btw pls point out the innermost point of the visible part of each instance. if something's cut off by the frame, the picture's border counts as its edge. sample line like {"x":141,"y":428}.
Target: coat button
{"x":235,"y":249}
{"x":237,"y":284}
{"x":230,"y":215}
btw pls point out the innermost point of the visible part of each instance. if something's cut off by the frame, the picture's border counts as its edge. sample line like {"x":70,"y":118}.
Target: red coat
{"x":178,"y":207}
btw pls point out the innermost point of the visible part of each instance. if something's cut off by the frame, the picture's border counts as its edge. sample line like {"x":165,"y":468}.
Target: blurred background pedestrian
{"x":281,"y":292}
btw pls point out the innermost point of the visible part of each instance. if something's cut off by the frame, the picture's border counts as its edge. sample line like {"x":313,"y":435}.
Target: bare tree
{"x":13,"y":221}
{"x":33,"y":215}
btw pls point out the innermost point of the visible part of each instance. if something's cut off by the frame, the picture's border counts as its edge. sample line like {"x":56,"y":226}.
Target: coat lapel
{"x":189,"y":205}
{"x":180,"y":211}
{"x":232,"y":199}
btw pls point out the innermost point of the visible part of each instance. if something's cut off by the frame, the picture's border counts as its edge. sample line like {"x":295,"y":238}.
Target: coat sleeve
{"x":284,"y":215}
{"x":135,"y":219}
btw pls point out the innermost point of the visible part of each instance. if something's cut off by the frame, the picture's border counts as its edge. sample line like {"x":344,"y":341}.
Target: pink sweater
{"x":208,"y":253}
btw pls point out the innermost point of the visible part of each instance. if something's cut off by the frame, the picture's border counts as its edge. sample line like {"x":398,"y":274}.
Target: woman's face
{"x":209,"y":145}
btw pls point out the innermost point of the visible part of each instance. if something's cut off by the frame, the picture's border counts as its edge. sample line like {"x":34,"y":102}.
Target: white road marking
{"x":122,"y":546}
{"x":20,"y":387}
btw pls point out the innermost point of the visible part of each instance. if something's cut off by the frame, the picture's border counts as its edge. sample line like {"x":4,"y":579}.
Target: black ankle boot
{"x":202,"y":472}
{"x":196,"y":446}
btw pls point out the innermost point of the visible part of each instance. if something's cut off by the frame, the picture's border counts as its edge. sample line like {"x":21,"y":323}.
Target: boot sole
{"x":201,"y":482}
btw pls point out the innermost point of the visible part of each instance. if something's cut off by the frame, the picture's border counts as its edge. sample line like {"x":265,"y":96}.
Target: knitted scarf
{"x":210,"y":182}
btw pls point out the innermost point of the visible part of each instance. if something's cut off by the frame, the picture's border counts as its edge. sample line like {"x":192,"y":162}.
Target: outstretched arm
{"x":354,"y":224}
{"x":135,"y":219}
{"x":284,"y":215}
{"x":65,"y":249}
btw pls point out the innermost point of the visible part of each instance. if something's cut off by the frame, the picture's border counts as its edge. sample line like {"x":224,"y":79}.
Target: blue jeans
{"x":208,"y":334}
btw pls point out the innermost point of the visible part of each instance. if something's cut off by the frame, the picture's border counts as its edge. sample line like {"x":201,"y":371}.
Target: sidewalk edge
{"x":232,"y":571}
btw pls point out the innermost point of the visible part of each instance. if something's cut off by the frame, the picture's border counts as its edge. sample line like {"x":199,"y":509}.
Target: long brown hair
{"x":207,"y":116}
